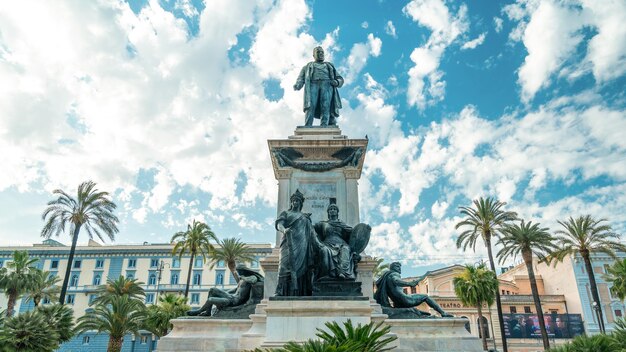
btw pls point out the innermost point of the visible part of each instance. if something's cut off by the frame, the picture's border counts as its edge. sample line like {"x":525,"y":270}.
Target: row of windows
{"x":132,"y":263}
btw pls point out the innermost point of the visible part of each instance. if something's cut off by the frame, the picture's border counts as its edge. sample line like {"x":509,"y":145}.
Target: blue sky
{"x":168,"y":106}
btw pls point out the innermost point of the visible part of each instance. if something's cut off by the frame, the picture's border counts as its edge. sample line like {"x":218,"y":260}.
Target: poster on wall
{"x":559,"y":326}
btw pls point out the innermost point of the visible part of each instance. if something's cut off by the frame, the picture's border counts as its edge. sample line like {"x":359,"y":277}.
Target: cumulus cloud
{"x":426,"y":85}
{"x":472,"y":44}
{"x":107,"y":92}
{"x":359,"y":55}
{"x":552,"y":31}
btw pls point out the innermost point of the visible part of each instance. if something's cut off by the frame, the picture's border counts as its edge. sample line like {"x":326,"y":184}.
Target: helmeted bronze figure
{"x":296,"y":250}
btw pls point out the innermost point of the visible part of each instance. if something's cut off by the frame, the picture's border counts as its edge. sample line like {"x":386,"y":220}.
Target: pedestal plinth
{"x":202,"y":334}
{"x":433,"y":335}
{"x":297,"y":318}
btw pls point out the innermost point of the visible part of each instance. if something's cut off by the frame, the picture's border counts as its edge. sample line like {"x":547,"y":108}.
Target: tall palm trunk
{"x":498,"y":302}
{"x":11,"y":303}
{"x":193,"y":254}
{"x":231,"y":267}
{"x":68,"y":270}
{"x":528,"y":260}
{"x":480,"y":325}
{"x":594,"y":288}
{"x":115,"y":344}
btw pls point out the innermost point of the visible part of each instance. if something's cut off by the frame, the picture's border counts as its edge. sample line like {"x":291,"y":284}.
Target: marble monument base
{"x":197,"y":334}
{"x":281,"y":319}
{"x":433,"y":335}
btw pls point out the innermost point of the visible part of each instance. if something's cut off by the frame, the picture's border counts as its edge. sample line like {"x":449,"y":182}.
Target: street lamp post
{"x":160,"y":270}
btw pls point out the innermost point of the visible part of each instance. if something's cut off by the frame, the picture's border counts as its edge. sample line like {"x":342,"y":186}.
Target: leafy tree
{"x":169,"y":307}
{"x":121,"y":286}
{"x":16,"y":281}
{"x":119,"y":316}
{"x":60,"y":318}
{"x":29,"y":332}
{"x":528,"y":239}
{"x":476,"y":286}
{"x":380,"y":267}
{"x":584,"y":235}
{"x":484,"y":221}
{"x":196,"y":241}
{"x":43,"y":286}
{"x":91,"y":209}
{"x":616,"y":276}
{"x":231,"y":251}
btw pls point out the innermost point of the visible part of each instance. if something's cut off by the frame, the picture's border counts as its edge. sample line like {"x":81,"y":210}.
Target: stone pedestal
{"x":201,"y":334}
{"x":323,"y":164}
{"x":433,"y":335}
{"x":297,"y":318}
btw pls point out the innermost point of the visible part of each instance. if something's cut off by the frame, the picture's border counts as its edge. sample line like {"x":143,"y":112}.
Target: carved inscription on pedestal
{"x":317,"y":198}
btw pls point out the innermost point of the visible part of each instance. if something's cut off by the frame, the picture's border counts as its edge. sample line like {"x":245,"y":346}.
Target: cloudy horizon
{"x":168,"y":105}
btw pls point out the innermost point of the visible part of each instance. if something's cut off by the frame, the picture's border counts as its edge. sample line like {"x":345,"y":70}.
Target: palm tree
{"x":169,"y":307}
{"x":122,"y":315}
{"x":29,"y":331}
{"x":380,"y":267}
{"x":585,"y":235}
{"x":528,"y":239}
{"x":18,"y":280}
{"x":60,"y":318}
{"x":43,"y":286}
{"x":91,"y":209}
{"x":616,"y":276}
{"x":195,"y":241}
{"x":231,"y":251}
{"x":474,"y":286}
{"x":121,"y":286}
{"x":485,"y":220}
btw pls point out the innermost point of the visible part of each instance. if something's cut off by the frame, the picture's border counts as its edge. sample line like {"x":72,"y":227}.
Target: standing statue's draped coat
{"x":305,"y":78}
{"x":296,"y":254}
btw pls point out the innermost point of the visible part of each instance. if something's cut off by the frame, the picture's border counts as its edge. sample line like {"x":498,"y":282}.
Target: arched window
{"x":197,"y":278}
{"x":74,"y":280}
{"x":485,"y":328}
{"x":96,"y":279}
{"x":220,"y":279}
{"x":152,"y":279}
{"x":174,"y":279}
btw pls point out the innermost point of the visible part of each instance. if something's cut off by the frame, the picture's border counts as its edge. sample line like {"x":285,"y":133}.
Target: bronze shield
{"x":360,"y":237}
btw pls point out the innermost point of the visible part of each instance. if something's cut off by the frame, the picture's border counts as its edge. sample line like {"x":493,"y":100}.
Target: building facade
{"x":517,"y":306}
{"x":151,"y":264}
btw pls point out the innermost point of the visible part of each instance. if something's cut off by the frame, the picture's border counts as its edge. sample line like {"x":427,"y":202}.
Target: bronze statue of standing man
{"x":321,"y":96}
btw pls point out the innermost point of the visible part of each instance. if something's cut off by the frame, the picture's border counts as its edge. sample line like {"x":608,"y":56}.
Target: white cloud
{"x":550,"y":37}
{"x":359,"y":55}
{"x":390,"y":29}
{"x":497,"y":24}
{"x":372,"y":116}
{"x":439,"y":209}
{"x":552,"y":33}
{"x":472,"y":44}
{"x":364,"y":25}
{"x":425,"y":84}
